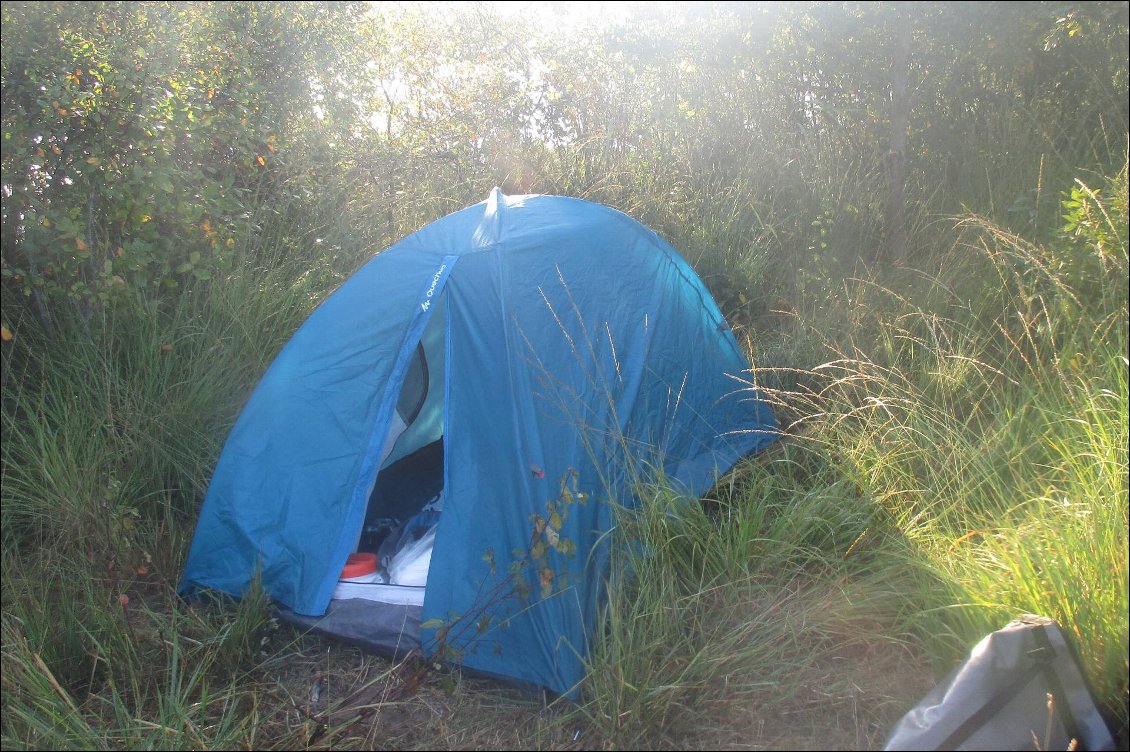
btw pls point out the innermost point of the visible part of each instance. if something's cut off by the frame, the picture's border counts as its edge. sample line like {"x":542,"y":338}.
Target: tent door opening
{"x":407,"y":495}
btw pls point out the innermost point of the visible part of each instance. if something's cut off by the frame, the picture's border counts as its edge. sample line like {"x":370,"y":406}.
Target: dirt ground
{"x":336,"y":696}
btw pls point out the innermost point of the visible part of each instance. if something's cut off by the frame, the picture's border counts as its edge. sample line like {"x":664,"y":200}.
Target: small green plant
{"x":530,"y":577}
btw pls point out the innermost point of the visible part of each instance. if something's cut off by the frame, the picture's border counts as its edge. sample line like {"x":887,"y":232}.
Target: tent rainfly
{"x":465,"y":408}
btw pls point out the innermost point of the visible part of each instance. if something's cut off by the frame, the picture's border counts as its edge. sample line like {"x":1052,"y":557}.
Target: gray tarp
{"x":999,"y":698}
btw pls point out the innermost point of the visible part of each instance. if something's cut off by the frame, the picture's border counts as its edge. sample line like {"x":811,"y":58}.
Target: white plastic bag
{"x":410,"y":564}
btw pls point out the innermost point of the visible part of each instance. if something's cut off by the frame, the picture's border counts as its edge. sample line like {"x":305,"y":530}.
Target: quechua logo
{"x":432,"y":288}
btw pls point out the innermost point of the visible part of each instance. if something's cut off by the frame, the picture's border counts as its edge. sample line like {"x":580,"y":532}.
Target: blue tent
{"x":557,"y":351}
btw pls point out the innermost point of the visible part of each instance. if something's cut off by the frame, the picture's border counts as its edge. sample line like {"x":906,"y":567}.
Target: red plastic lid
{"x":358,"y":565}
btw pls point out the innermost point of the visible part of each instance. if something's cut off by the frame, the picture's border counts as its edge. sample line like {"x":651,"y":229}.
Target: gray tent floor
{"x":382,"y":628}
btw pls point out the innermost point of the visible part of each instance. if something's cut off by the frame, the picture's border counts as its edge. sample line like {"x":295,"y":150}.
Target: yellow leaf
{"x":83,"y":248}
{"x":262,"y":162}
{"x":545,"y":577}
{"x":92,"y":160}
{"x":145,"y":218}
{"x":5,"y":333}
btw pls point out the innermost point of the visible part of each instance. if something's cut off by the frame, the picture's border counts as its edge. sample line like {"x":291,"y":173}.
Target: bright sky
{"x":570,"y":13}
{"x":574,"y":13}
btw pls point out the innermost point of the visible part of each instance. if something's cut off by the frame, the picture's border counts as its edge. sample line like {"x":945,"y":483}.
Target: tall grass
{"x":154,"y":675}
{"x":1047,"y":532}
{"x":147,"y":394}
{"x":742,"y":609}
{"x":110,"y":434}
{"x":984,"y":407}
{"x":958,"y":457}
